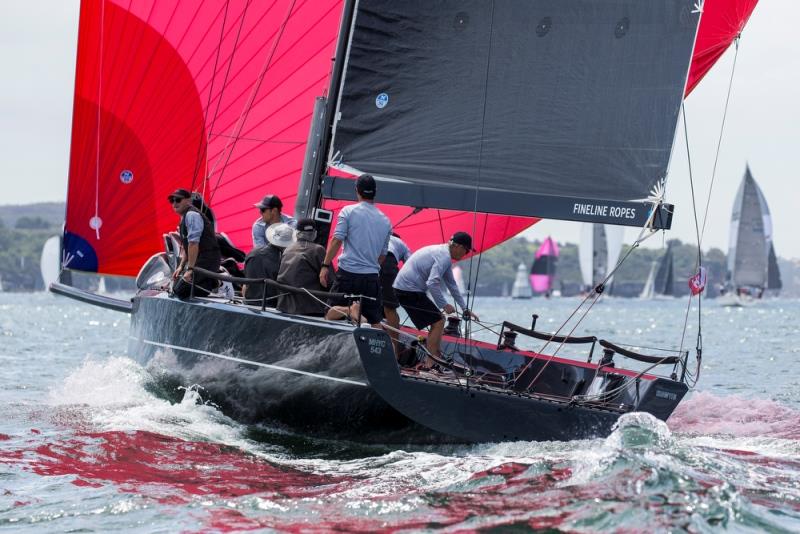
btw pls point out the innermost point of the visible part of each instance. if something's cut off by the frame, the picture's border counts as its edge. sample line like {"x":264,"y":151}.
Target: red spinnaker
{"x":217,"y":96}
{"x":721,"y":23}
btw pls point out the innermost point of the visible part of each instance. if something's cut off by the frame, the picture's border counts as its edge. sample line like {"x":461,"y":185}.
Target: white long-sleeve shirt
{"x":425,"y":271}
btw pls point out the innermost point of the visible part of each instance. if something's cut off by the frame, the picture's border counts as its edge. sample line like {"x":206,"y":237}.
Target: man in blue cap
{"x":270,"y":207}
{"x":364,"y":231}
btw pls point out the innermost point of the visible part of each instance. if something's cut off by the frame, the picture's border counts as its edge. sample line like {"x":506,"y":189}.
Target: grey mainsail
{"x":564,"y":110}
{"x":751,"y":237}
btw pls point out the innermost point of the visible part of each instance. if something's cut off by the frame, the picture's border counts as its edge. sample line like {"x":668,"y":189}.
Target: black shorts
{"x":421,"y":310}
{"x":389,"y":272}
{"x":359,"y":284}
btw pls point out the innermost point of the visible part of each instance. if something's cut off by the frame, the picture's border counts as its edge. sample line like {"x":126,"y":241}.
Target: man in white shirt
{"x":424,"y":273}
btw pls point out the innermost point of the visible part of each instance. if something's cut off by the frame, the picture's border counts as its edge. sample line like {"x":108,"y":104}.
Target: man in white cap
{"x":265,"y":262}
{"x":270,"y":207}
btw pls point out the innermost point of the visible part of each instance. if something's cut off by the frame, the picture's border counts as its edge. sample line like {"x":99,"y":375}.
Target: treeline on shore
{"x":24,"y":230}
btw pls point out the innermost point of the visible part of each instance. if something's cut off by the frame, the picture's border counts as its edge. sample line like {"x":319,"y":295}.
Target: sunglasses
{"x":175,"y":200}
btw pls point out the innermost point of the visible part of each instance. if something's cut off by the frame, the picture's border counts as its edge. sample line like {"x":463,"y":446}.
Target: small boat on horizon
{"x":661,"y":278}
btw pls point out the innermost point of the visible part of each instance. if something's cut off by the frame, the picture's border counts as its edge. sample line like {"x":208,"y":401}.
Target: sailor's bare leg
{"x":435,"y":340}
{"x":337,"y":313}
{"x":393,"y":320}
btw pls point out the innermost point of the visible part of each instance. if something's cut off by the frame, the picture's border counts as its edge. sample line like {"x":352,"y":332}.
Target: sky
{"x":38,"y":40}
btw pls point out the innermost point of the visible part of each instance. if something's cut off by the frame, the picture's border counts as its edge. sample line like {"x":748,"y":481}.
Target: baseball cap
{"x":306,"y":225}
{"x":269,"y":201}
{"x":463,"y":239}
{"x":179,"y":194}
{"x":365,"y":185}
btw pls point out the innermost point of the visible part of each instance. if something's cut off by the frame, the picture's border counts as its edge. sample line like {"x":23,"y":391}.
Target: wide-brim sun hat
{"x":280,"y":235}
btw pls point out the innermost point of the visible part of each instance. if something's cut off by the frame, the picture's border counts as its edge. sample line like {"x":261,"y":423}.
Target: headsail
{"x":167,"y":93}
{"x":722,"y":22}
{"x":664,"y":282}
{"x":460,"y":105}
{"x":773,"y":271}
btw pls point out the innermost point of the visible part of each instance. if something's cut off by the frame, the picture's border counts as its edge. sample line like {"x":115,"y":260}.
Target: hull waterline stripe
{"x":249,"y":362}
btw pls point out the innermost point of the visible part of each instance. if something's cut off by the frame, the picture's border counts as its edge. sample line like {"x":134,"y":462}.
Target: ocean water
{"x":91,"y":441}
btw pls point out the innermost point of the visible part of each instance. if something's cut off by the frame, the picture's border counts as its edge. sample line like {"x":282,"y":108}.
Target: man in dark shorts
{"x":424,"y":273}
{"x":364,"y":231}
{"x":398,"y":253}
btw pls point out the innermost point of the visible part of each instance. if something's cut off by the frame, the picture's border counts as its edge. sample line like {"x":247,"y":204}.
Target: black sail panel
{"x":773,"y":271}
{"x":570,"y":105}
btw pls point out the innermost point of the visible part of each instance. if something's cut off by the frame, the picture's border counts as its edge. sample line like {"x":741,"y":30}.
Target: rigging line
{"x":203,"y":136}
{"x":221,"y":94}
{"x":699,"y":260}
{"x":691,"y":185}
{"x":719,"y":141}
{"x":480,"y":160}
{"x":413,"y":212}
{"x":95,"y":222}
{"x":251,"y":100}
{"x":595,"y":295}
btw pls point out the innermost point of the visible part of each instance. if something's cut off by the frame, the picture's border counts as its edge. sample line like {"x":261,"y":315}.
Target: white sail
{"x":50,"y":261}
{"x":522,"y":284}
{"x":586,"y":254}
{"x":599,"y":251}
{"x":614,"y":238}
{"x":648,"y":289}
{"x":101,"y":286}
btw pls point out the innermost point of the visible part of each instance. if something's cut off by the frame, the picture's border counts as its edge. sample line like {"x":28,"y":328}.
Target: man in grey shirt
{"x":423,"y":273}
{"x":270,"y":208}
{"x":364,"y":231}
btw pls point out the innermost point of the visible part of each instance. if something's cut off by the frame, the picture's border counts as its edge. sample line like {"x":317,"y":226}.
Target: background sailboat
{"x":751,"y":255}
{"x":543,"y":270}
{"x":598,"y":252}
{"x":50,"y":261}
{"x":522,"y":285}
{"x":661,"y":280}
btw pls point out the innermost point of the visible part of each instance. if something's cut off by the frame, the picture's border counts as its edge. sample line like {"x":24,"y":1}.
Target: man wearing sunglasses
{"x":199,"y":247}
{"x":270,"y":208}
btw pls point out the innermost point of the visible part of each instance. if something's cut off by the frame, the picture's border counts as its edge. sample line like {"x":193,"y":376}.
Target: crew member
{"x":300,"y":266}
{"x":423,"y":273}
{"x":270,"y":207}
{"x":199,"y":247}
{"x":364,"y":231}
{"x":398,"y":253}
{"x":264,"y":263}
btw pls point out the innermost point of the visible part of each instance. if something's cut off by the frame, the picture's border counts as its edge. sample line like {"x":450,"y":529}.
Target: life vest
{"x":208,"y":256}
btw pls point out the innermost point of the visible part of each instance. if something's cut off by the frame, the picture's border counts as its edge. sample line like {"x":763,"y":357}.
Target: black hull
{"x":330,"y":379}
{"x":471,"y":412}
{"x":266,"y":367}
